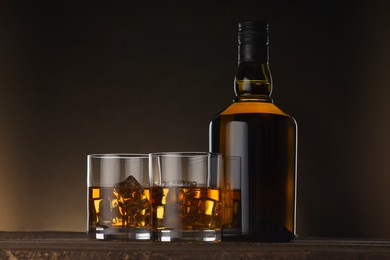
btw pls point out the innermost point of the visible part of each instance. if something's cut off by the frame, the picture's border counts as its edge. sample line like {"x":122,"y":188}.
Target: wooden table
{"x":72,"y":245}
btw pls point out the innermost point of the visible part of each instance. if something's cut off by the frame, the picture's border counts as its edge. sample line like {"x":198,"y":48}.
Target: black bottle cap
{"x":253,"y":41}
{"x":250,"y":32}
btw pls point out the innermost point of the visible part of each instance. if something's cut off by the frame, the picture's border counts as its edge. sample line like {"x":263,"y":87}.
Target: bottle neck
{"x":253,"y":82}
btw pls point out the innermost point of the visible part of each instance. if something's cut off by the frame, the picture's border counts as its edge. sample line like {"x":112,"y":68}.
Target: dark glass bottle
{"x":265,"y":138}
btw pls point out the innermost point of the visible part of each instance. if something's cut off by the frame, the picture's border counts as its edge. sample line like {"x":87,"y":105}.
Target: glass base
{"x":138,"y":234}
{"x":187,"y":235}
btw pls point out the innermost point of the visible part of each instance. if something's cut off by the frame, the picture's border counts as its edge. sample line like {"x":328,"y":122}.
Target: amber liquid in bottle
{"x":264,"y":137}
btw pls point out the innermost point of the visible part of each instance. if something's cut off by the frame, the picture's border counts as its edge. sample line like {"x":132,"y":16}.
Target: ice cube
{"x":134,"y":202}
{"x":201,"y":211}
{"x":130,"y":187}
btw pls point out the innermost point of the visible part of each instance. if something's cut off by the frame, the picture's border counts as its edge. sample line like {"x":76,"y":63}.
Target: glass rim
{"x":184,"y":154}
{"x":117,"y":155}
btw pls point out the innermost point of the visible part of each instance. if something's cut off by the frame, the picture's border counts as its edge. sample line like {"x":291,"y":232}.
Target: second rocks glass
{"x":186,"y":196}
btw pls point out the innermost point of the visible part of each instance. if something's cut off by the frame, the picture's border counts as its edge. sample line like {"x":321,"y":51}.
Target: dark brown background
{"x":123,"y":77}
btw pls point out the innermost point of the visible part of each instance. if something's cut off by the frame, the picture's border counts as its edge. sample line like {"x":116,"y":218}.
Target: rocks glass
{"x":186,"y":196}
{"x":118,"y":197}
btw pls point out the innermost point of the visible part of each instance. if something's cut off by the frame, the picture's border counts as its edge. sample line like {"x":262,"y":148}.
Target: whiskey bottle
{"x":265,"y":138}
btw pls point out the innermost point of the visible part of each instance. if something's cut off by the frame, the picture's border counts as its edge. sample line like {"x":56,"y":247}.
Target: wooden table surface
{"x":73,"y":245}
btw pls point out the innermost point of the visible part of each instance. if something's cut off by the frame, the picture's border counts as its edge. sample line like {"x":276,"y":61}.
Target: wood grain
{"x":72,"y":245}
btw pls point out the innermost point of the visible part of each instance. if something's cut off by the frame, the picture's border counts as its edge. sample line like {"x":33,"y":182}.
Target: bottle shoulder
{"x":252,"y":108}
{"x":253,"y":113}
